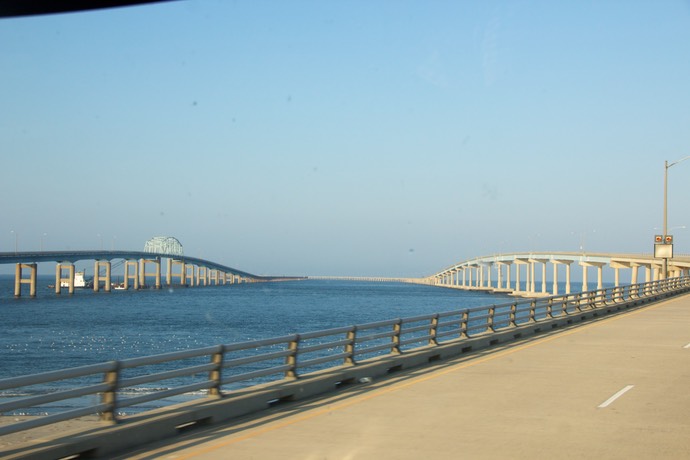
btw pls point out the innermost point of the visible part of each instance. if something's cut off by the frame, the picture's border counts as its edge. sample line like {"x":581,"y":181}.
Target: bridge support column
{"x":97,"y":275}
{"x":183,"y":271}
{"x":600,"y":277}
{"x":617,"y":283}
{"x":156,"y":274}
{"x":189,"y":275}
{"x":488,"y":275}
{"x":532,"y":286}
{"x":616,"y":265}
{"x":567,"y":275}
{"x":600,"y":269}
{"x":517,"y":277}
{"x":59,"y":279}
{"x":533,"y":262}
{"x":616,"y":277}
{"x":168,"y":271}
{"x":134,"y":276}
{"x":202,"y":276}
{"x":633,"y":275}
{"x":19,"y":280}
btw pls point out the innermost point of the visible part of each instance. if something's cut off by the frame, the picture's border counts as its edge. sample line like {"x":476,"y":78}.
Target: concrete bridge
{"x":505,"y":272}
{"x":140,"y":267}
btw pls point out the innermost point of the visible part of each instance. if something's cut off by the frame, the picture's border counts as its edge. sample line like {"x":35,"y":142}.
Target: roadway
{"x":613,"y":388}
{"x":74,"y":256}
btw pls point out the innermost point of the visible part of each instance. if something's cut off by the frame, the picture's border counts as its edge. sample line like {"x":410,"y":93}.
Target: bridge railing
{"x":107,"y":388}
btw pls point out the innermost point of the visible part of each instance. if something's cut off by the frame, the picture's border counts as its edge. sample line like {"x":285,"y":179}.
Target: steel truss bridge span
{"x":505,"y":273}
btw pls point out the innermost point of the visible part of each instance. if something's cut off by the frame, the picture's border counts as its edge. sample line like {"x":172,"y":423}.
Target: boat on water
{"x":80,"y":281}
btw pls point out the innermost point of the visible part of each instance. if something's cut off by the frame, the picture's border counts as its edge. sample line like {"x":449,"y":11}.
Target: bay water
{"x":51,"y":332}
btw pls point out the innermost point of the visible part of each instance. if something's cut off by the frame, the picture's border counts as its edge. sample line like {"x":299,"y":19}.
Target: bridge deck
{"x":537,"y":398}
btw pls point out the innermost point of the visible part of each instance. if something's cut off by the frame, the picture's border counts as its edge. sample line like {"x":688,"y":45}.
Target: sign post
{"x":663,"y":249}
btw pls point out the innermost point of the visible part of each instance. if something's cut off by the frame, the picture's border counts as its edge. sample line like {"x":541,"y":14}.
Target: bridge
{"x":509,"y":273}
{"x":191,"y":271}
{"x":476,"y":274}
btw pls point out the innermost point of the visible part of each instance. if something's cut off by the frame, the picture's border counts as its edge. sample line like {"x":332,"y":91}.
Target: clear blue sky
{"x":347,"y":138}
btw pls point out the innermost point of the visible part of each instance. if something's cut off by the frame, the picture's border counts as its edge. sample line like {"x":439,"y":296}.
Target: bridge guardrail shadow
{"x":271,"y":370}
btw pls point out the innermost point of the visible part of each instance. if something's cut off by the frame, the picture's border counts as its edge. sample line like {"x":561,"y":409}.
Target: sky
{"x":363,"y":138}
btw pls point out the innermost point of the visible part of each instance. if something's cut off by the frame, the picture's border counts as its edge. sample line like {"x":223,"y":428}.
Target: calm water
{"x":53,"y":332}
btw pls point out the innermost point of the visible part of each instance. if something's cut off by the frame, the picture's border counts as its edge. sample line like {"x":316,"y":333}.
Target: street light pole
{"x":667,"y":165}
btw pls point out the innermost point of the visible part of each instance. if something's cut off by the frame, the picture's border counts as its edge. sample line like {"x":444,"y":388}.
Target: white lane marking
{"x":616,"y":396}
{"x":687,"y":346}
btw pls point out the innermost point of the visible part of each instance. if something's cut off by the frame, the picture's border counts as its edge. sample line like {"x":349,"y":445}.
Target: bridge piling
{"x":143,"y":274}
{"x":135,"y":276}
{"x":59,"y":279}
{"x":188,"y":275}
{"x":19,"y":279}
{"x":97,"y":275}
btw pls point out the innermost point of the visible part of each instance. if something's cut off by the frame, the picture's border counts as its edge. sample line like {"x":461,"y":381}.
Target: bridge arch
{"x":164,"y":245}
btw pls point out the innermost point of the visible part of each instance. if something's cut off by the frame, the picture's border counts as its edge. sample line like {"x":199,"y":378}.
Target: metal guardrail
{"x":208,"y":370}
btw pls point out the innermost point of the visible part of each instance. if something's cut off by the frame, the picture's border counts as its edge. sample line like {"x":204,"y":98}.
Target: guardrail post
{"x":490,"y":318}
{"x":464,"y":321}
{"x":433,"y":330}
{"x":109,"y":397}
{"x":350,"y":346}
{"x":578,"y":301}
{"x":395,"y":339}
{"x":216,"y":373}
{"x":549,"y":308}
{"x":595,"y":299}
{"x":513,"y":312}
{"x":291,"y":359}
{"x":533,"y":310}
